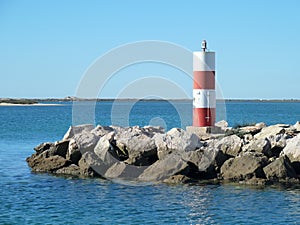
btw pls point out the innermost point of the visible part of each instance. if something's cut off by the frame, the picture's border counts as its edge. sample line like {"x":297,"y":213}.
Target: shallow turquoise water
{"x":28,"y":198}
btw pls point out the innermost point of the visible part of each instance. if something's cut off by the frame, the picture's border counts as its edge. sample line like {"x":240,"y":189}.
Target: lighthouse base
{"x":200,"y":131}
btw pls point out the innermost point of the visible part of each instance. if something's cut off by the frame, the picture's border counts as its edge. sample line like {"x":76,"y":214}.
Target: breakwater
{"x":256,"y":154}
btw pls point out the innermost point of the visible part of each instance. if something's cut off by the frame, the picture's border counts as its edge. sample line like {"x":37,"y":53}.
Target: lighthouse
{"x":204,"y":93}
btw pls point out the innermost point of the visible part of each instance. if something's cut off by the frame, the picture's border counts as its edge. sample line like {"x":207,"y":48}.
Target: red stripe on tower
{"x":204,"y":94}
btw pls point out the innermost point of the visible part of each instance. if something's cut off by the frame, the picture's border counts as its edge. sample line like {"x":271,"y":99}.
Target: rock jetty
{"x":256,"y":154}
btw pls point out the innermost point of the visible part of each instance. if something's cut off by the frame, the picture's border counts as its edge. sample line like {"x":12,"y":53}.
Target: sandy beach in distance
{"x":36,"y":104}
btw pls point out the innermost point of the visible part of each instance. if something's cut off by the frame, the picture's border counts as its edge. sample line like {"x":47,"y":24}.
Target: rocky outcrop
{"x":73,"y":130}
{"x":280,"y":169}
{"x":174,"y":140}
{"x":89,"y":164}
{"x":231,"y":145}
{"x":72,"y":170}
{"x":81,"y":143}
{"x":274,"y":130}
{"x":101,"y":130}
{"x":297,"y":126}
{"x":292,"y":151}
{"x":140,"y":149}
{"x":171,"y":165}
{"x":244,"y":167}
{"x":253,"y":129}
{"x":251,"y":155}
{"x":124,"y":171}
{"x":49,"y":164}
{"x":260,"y":146}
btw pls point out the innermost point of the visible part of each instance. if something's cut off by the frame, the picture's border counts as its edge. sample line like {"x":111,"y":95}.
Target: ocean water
{"x":30,"y":198}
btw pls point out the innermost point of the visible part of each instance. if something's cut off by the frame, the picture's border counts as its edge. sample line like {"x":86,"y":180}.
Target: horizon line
{"x":71,"y":99}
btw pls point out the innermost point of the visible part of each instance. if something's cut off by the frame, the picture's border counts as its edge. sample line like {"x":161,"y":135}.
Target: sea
{"x":34,"y":198}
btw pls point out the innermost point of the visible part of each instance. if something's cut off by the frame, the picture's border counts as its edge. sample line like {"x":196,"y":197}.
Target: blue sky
{"x":46,"y":46}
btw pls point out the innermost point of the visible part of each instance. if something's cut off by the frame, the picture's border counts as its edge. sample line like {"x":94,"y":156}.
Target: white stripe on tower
{"x":204,"y":94}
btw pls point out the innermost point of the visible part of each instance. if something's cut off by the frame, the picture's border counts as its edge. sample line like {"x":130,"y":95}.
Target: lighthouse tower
{"x":204,"y":94}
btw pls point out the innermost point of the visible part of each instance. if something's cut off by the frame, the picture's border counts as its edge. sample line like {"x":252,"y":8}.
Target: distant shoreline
{"x":34,"y":104}
{"x":42,"y":101}
{"x":262,"y":100}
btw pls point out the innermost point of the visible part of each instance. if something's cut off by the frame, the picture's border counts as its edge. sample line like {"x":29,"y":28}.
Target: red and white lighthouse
{"x":204,"y":94}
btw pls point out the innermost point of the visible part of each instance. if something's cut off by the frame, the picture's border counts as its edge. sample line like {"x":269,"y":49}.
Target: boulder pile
{"x":256,"y":154}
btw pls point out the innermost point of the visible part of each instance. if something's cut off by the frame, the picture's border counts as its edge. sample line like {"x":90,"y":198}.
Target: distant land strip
{"x":74,"y":99}
{"x":18,"y":101}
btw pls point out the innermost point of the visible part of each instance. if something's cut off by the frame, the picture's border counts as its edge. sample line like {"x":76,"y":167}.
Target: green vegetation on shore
{"x":18,"y":101}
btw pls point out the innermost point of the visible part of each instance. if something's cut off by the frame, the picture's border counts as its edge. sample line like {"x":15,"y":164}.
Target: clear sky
{"x":46,"y":46}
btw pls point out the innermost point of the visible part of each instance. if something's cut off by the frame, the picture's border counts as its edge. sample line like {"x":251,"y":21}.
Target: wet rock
{"x":73,"y":130}
{"x":72,"y":170}
{"x":280,"y":169}
{"x":179,"y":179}
{"x":115,"y":170}
{"x":255,"y":182}
{"x":163,"y":169}
{"x":61,"y":148}
{"x":244,"y":167}
{"x":148,"y":154}
{"x":121,"y":170}
{"x":43,"y":147}
{"x":91,"y":166}
{"x":40,"y":164}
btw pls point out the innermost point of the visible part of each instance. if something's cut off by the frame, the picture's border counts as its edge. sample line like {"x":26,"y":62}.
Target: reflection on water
{"x":27,"y":198}
{"x":40,"y":198}
{"x":198,"y":206}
